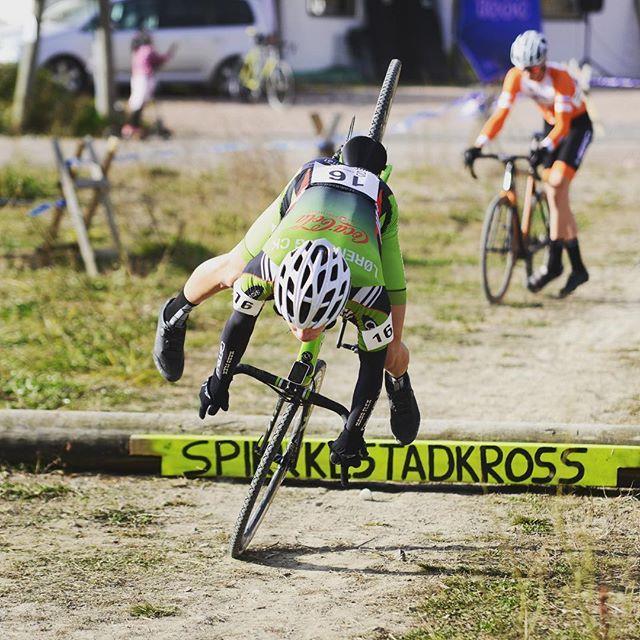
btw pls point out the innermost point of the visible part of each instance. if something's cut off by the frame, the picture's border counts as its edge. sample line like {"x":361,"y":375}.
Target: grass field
{"x":127,"y":557}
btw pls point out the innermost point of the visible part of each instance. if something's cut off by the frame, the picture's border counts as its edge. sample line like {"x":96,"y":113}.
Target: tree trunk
{"x":27,"y":68}
{"x":103,"y":55}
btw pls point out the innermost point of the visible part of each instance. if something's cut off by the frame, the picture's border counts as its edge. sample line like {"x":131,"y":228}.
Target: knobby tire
{"x":538,"y":240}
{"x":241,"y":538}
{"x":243,"y":533}
{"x":492,"y":218}
{"x":385,"y":98}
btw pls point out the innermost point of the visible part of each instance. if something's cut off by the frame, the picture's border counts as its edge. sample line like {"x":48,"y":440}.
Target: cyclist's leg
{"x":562,"y":174}
{"x":368,"y":312}
{"x":221,"y":272}
{"x":209,"y":278}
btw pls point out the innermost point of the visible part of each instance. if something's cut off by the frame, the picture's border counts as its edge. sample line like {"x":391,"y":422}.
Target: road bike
{"x":263,"y":73}
{"x":298,"y":394}
{"x":509,"y":234}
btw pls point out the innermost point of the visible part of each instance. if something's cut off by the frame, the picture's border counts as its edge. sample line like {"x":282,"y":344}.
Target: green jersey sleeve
{"x":392,"y":264}
{"x":269,"y":219}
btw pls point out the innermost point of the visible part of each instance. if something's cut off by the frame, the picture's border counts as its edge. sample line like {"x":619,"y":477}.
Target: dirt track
{"x":329,"y":564}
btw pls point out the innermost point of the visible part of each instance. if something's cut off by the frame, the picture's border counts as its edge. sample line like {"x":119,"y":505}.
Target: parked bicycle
{"x":510,"y":234}
{"x":263,"y":73}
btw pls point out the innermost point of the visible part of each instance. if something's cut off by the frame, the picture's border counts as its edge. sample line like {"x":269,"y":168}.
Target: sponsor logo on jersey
{"x":323,"y":222}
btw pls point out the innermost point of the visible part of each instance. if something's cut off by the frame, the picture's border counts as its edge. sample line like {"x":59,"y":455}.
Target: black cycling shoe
{"x":542,"y":278}
{"x":405,"y":414}
{"x":348,"y":449}
{"x":575,"y":279}
{"x":168,"y":349}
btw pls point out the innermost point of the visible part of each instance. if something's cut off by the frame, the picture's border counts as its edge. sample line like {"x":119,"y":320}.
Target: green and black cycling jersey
{"x":353,"y":209}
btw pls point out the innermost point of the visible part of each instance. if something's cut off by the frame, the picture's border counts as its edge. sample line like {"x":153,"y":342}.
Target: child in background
{"x":145,"y":60}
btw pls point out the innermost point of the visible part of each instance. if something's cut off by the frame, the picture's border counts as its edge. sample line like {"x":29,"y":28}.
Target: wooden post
{"x":103,"y":52}
{"x":27,"y":68}
{"x":69,"y":191}
{"x":102,"y":194}
{"x":112,"y":148}
{"x":54,"y":227}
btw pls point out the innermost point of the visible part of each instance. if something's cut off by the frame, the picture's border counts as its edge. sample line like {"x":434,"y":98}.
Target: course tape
{"x":508,"y":463}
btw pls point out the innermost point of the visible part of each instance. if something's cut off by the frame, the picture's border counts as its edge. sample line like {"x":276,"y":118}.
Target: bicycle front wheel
{"x":538,"y":236}
{"x":497,"y":248}
{"x":280,"y":86}
{"x":263,"y":486}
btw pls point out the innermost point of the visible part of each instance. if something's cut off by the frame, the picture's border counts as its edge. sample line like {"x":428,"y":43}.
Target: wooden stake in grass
{"x":603,"y":610}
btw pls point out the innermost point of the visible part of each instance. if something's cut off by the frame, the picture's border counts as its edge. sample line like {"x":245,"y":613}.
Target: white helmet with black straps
{"x":312,"y":286}
{"x":529,"y":49}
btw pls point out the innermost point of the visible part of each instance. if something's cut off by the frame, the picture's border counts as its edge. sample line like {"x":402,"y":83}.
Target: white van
{"x":210,"y":34}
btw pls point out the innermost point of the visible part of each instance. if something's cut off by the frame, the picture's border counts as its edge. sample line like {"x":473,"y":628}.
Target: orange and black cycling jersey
{"x":558,"y":95}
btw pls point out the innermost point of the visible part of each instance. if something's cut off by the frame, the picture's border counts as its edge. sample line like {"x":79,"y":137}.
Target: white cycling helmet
{"x":529,"y":49}
{"x":312,"y":285}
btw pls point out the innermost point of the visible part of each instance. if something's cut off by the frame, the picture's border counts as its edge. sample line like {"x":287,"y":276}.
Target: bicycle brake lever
{"x":472,"y":172}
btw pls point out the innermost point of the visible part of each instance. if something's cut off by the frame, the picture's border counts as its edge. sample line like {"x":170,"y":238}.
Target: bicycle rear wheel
{"x":538,"y":237}
{"x":280,"y":86}
{"x":497,"y":248}
{"x":385,"y":98}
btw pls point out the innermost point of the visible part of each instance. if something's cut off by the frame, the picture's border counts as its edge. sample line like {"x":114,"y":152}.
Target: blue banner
{"x":486,"y":29}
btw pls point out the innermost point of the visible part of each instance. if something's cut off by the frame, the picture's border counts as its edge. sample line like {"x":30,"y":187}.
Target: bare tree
{"x":103,"y":55}
{"x":27,"y":67}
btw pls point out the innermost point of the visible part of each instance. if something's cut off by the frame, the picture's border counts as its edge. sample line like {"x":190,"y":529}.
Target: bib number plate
{"x":352,"y":178}
{"x":378,"y":336}
{"x":244,"y":303}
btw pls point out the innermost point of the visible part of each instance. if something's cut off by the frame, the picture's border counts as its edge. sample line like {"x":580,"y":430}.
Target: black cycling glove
{"x":470,"y":155}
{"x":538,"y":156}
{"x":214,"y":395}
{"x":348,"y":449}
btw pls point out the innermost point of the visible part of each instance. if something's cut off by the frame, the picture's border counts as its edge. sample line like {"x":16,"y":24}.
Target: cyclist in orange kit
{"x":567,"y":134}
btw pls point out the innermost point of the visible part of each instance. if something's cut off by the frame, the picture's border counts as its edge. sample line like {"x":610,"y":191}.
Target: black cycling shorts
{"x":572,"y":149}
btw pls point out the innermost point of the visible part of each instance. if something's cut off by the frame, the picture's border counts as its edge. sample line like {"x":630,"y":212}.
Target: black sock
{"x":554,"y":264}
{"x":573,"y":249}
{"x":177,"y":311}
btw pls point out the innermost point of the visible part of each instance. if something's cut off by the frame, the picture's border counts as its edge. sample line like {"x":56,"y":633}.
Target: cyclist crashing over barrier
{"x":567,"y":134}
{"x":345,"y":201}
{"x":323,"y":260}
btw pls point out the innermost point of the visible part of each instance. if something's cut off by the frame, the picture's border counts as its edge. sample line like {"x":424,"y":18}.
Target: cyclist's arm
{"x":269,"y":219}
{"x":562,"y":107}
{"x":392,"y":264}
{"x":510,"y":89}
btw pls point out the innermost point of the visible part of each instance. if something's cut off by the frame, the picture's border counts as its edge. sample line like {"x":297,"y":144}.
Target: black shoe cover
{"x":405,"y":414}
{"x":168,"y":349}
{"x":542,"y":278}
{"x":575,"y":279}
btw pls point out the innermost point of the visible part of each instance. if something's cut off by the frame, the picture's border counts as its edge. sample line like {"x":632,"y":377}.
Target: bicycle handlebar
{"x":288,"y":388}
{"x":504,"y":158}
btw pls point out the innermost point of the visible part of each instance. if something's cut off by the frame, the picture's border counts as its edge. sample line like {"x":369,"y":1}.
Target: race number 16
{"x":341,"y":176}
